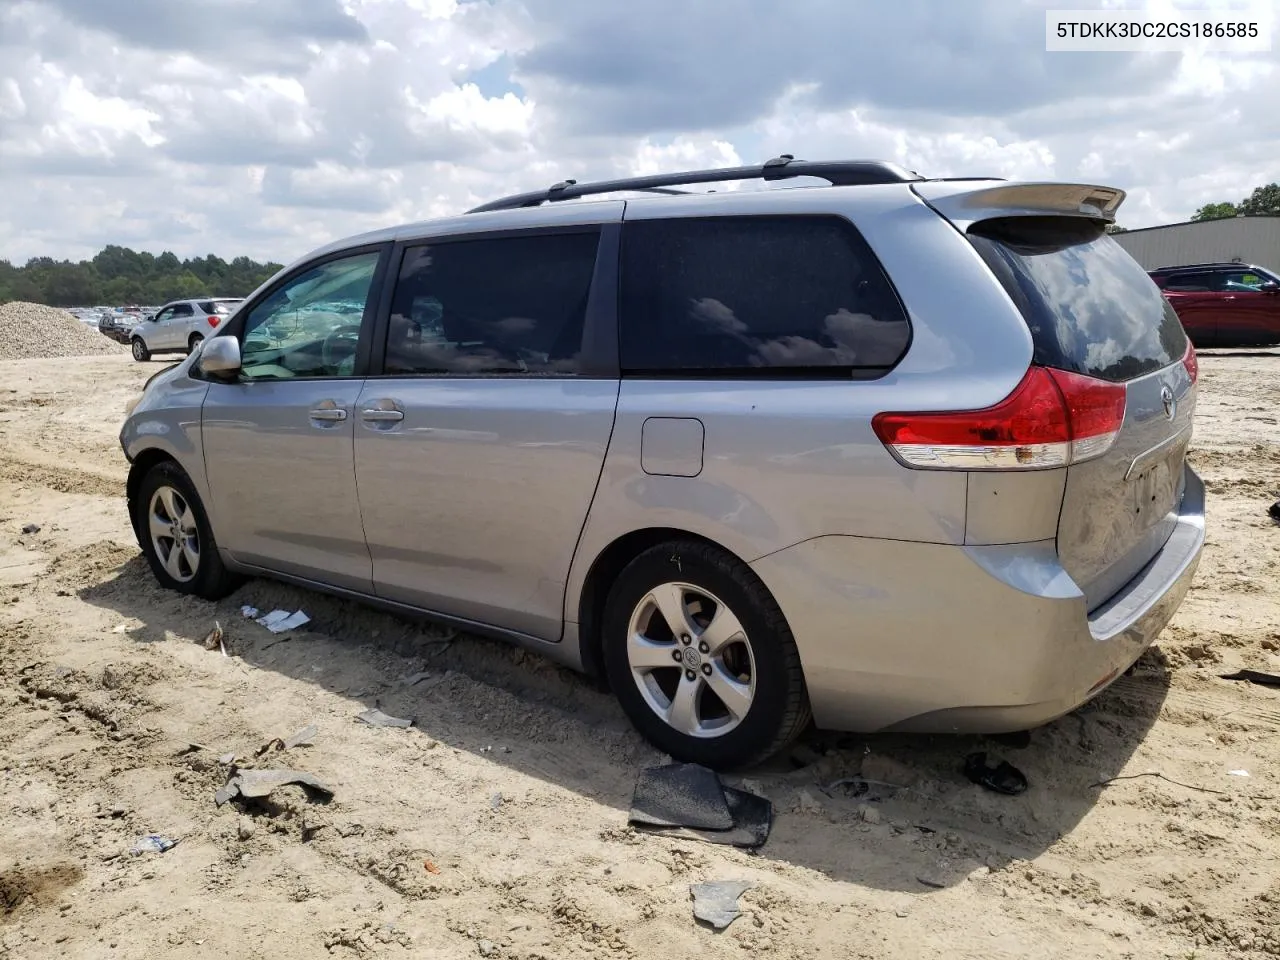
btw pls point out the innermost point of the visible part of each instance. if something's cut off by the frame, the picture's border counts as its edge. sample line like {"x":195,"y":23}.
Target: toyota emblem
{"x":1170,"y":404}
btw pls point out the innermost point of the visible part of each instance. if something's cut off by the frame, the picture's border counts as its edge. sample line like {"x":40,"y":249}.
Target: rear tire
{"x":195,"y":341}
{"x":173,"y":531}
{"x":140,"y":351}
{"x":737,"y":693}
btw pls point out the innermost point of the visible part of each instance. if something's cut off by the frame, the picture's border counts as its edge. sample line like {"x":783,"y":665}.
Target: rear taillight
{"x":1052,"y":419}
{"x":1190,"y":362}
{"x":213,"y":321}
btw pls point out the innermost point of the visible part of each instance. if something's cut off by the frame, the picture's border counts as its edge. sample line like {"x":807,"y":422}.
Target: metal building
{"x":1253,"y":240}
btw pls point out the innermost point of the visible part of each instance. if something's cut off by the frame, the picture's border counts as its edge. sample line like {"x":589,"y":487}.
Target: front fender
{"x":166,"y":423}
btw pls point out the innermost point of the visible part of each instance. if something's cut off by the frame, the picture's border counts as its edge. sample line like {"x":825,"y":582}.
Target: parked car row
{"x":1224,"y":304}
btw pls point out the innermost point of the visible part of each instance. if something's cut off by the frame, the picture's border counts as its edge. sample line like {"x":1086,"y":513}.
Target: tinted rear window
{"x":727,"y":296}
{"x":510,"y":305}
{"x":1090,"y":307}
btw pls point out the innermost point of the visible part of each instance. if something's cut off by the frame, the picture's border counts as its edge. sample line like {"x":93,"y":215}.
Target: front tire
{"x":140,"y":351}
{"x":701,"y":658}
{"x":173,"y":531}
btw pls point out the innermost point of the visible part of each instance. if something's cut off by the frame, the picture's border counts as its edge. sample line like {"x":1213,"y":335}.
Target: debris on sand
{"x":1003,"y":778}
{"x":376,"y":718}
{"x":687,"y":800}
{"x":1274,"y":511}
{"x":276,"y":744}
{"x":716,"y":902}
{"x":278,"y":621}
{"x":31,"y":528}
{"x":152,"y":843}
{"x":254,"y":784}
{"x":213,"y":639}
{"x":1254,"y":676}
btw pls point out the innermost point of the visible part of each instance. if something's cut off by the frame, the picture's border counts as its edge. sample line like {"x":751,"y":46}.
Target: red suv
{"x":1224,"y":304}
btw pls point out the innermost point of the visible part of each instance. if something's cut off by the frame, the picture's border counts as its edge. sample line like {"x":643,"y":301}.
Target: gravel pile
{"x":30,"y":330}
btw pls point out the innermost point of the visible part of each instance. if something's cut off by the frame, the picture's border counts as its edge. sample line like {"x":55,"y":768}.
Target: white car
{"x":180,"y":326}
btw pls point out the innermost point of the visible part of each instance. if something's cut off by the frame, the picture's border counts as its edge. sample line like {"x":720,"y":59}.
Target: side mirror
{"x":219,"y":357}
{"x":1269,"y":287}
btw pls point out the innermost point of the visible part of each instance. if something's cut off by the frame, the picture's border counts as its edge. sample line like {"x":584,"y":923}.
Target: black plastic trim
{"x":599,"y":358}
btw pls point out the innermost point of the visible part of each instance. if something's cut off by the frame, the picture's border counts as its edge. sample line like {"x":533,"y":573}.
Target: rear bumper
{"x":924,"y":637}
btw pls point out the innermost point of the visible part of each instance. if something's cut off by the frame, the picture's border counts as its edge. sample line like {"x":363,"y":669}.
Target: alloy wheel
{"x":691,"y":660}
{"x":174,"y":534}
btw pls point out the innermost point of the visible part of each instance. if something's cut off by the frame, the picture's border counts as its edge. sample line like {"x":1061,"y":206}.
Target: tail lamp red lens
{"x":1190,"y":362}
{"x":1051,"y":419}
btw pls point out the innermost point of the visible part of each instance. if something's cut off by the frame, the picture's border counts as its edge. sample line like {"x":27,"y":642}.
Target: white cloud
{"x":275,"y":127}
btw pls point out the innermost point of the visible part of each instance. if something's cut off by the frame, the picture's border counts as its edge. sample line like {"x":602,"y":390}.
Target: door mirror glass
{"x":219,"y":357}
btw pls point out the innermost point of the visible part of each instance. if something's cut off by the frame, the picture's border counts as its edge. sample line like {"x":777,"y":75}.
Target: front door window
{"x":310,"y":326}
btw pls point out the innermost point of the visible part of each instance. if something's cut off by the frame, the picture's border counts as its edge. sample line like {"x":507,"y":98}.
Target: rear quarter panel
{"x":784,"y":461}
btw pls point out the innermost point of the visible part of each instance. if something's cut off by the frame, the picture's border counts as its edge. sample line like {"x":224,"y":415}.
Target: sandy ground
{"x":113,"y":716}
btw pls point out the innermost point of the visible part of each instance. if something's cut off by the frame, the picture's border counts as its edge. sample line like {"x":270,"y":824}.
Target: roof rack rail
{"x":1197,"y":266}
{"x":838,"y":173}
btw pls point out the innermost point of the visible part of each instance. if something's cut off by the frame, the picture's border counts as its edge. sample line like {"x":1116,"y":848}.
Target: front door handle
{"x":328,"y":412}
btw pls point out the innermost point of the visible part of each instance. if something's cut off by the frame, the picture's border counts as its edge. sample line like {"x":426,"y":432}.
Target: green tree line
{"x":1264,"y":201}
{"x":118,"y":276}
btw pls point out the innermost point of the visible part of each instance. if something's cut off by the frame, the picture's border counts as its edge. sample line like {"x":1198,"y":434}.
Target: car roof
{"x":569,"y":203}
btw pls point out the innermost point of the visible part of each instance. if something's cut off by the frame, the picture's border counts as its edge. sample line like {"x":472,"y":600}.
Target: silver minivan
{"x":879,"y":453}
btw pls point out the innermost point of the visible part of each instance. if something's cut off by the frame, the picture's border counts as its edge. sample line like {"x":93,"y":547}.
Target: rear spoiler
{"x":964,"y":205}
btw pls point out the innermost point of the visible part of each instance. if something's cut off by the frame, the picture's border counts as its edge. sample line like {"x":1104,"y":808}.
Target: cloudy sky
{"x":268,"y":127}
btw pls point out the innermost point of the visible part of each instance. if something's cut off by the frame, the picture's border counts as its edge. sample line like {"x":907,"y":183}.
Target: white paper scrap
{"x":278,"y":621}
